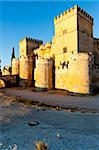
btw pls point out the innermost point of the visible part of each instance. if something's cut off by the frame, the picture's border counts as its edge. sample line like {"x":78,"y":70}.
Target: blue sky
{"x":34,"y":19}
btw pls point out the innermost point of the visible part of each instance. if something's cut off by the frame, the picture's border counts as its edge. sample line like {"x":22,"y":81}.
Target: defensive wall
{"x":6,"y":70}
{"x":9,"y":81}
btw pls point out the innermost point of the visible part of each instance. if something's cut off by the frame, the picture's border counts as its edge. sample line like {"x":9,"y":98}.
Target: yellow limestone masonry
{"x":70,"y":61}
{"x":79,"y":80}
{"x":26,"y":67}
{"x":15,"y":66}
{"x":44,"y":51}
{"x":74,"y":75}
{"x":2,"y":84}
{"x":43,"y":73}
{"x":6,"y":70}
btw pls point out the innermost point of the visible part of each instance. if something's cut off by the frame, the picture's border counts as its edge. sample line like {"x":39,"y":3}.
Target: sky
{"x":34,"y":19}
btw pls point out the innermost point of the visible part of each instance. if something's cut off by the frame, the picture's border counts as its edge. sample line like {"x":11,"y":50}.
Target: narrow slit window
{"x":65,"y":50}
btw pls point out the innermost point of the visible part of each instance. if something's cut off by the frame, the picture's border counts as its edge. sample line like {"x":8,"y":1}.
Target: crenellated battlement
{"x":84,"y":12}
{"x":70,"y":12}
{"x":32,"y":40}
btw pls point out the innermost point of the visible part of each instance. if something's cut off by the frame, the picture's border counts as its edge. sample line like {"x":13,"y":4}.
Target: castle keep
{"x":69,"y":62}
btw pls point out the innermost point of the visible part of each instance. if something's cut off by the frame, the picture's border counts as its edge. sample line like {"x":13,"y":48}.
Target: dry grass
{"x":41,"y":145}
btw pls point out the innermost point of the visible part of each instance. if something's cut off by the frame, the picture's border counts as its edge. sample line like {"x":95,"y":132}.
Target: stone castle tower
{"x":27,"y":60}
{"x":73,"y":49}
{"x":69,"y":62}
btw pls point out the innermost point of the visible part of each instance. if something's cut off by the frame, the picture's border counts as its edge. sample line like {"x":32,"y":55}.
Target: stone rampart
{"x":9,"y":81}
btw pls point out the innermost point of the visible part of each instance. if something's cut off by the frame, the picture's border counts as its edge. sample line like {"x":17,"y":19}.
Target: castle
{"x":70,"y":62}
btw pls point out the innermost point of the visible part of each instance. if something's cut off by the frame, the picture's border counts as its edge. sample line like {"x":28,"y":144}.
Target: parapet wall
{"x":33,"y":40}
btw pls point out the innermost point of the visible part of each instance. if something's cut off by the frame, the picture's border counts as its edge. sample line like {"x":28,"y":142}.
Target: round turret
{"x":26,"y":71}
{"x":43,"y":73}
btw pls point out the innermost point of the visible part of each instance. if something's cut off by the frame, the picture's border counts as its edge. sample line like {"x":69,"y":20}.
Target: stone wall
{"x":85,"y":33}
{"x":2,"y":84}
{"x":96,"y":63}
{"x":85,"y":43}
{"x":74,"y":75}
{"x":73,"y":31}
{"x":44,"y":73}
{"x":65,"y":33}
{"x":26,"y":70}
{"x":96,"y":77}
{"x":27,"y":45}
{"x":9,"y":81}
{"x":80,"y":73}
{"x":96,"y":51}
{"x":15,"y":66}
{"x":44,"y":51}
{"x":6,"y":70}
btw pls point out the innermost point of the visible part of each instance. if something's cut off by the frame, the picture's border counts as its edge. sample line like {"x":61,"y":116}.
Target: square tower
{"x":27,"y":45}
{"x":73,"y":32}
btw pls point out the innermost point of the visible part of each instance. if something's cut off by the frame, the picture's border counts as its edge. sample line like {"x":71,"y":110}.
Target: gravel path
{"x":87,"y":102}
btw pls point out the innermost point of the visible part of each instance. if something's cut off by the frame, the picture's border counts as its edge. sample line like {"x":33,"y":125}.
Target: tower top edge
{"x":77,"y":9}
{"x":32,"y":39}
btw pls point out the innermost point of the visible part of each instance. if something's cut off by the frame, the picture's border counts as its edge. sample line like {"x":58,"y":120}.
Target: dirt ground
{"x":61,"y":130}
{"x":61,"y":100}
